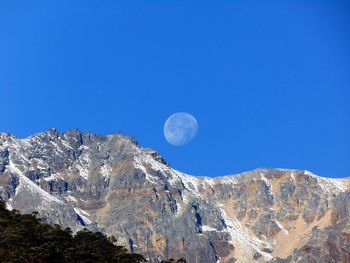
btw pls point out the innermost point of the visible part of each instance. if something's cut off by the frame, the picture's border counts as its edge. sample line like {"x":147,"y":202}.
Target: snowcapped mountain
{"x":111,"y":184}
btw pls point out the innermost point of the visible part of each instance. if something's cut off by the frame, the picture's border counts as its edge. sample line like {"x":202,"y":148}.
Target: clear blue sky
{"x":269,"y":83}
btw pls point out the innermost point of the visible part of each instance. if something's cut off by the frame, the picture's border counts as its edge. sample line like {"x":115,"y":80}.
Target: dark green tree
{"x":26,"y":238}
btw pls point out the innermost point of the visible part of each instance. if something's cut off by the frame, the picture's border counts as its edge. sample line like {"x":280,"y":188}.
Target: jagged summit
{"x":110,"y":183}
{"x":82,"y":138}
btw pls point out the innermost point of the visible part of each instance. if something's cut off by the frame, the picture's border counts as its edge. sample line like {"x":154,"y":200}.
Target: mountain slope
{"x":110,"y":183}
{"x":24,"y":238}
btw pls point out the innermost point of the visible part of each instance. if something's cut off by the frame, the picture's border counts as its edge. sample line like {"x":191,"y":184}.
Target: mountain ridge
{"x":110,"y":183}
{"x":154,"y":152}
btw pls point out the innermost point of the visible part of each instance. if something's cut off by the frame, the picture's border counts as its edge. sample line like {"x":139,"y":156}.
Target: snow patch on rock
{"x":247,"y":242}
{"x":25,"y":182}
{"x":208,"y":228}
{"x":83,"y":214}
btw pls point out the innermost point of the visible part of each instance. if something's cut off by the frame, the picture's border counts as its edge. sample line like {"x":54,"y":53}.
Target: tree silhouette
{"x":25,"y":238}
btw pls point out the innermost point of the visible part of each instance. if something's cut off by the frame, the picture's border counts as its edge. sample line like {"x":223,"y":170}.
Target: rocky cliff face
{"x":111,"y":184}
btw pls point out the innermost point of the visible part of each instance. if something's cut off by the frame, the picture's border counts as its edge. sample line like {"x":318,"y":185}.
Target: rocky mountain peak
{"x":110,"y":183}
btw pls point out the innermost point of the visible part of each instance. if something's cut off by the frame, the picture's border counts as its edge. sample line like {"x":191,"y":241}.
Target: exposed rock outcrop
{"x":109,"y":183}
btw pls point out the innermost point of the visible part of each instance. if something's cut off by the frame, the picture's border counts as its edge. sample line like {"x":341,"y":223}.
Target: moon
{"x":180,"y":128}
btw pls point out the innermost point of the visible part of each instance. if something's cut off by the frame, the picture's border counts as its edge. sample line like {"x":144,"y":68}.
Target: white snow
{"x":183,"y":204}
{"x":138,"y":164}
{"x":191,"y":183}
{"x":282,"y":227}
{"x":52,"y":177}
{"x":185,"y":197}
{"x":24,"y":143}
{"x":106,"y":170}
{"x":82,"y":171}
{"x":208,"y":228}
{"x":329,"y":185}
{"x":263,"y":178}
{"x":292,"y":175}
{"x":40,"y":164}
{"x":71,"y":198}
{"x":9,"y":206}
{"x":57,"y":147}
{"x":24,"y":158}
{"x":83,"y":214}
{"x":25,"y":182}
{"x":227,"y":179}
{"x":337,"y":183}
{"x":247,"y":242}
{"x":66,"y":144}
{"x":209,"y":181}
{"x":83,"y":162}
{"x":84,"y":158}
